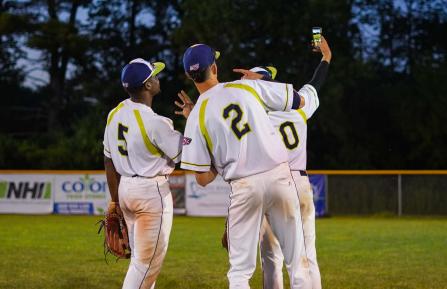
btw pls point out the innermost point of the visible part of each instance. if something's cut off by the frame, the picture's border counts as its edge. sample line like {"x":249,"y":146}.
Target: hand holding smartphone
{"x":316,"y":37}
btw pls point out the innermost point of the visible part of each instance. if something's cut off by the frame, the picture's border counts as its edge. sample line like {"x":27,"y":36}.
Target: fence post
{"x":399,"y":195}
{"x":327,"y":194}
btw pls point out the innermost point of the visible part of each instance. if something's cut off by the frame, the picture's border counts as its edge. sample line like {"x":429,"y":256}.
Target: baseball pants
{"x":274,"y":195}
{"x":271,"y":255}
{"x":147,"y":207}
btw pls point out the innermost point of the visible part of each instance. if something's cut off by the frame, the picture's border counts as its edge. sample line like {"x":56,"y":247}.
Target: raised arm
{"x":320,"y":73}
{"x":316,"y":82}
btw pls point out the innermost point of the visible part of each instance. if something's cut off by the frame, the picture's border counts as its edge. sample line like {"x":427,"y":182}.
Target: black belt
{"x":302,"y":173}
{"x":134,"y":176}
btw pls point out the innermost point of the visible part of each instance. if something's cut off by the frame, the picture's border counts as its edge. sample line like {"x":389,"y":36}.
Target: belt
{"x":138,"y":176}
{"x":302,"y":173}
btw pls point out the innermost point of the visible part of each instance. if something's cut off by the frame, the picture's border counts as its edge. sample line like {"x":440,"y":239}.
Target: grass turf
{"x":64,"y":252}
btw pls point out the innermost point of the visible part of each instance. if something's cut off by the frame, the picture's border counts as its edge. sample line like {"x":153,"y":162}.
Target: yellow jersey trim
{"x":179,"y":153}
{"x":287,"y":97}
{"x":303,"y":115}
{"x":149,"y":145}
{"x":197,"y":165}
{"x":247,"y":88}
{"x":202,"y":126}
{"x":115,"y":110}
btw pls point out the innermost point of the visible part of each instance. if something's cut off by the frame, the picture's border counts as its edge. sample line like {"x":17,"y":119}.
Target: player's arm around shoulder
{"x":274,"y":96}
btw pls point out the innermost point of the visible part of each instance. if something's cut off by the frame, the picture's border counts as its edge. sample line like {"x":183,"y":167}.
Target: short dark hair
{"x":134,"y":91}
{"x":201,"y":75}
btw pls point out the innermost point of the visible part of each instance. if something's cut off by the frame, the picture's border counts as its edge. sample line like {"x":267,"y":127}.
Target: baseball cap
{"x":138,"y":71}
{"x":198,"y":57}
{"x":269,"y":71}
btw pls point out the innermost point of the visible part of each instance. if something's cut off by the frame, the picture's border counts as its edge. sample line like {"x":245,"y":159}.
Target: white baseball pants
{"x":274,"y":195}
{"x":271,"y":255}
{"x":147,"y":207}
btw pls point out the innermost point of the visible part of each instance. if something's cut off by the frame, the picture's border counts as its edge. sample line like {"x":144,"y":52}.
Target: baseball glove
{"x":116,"y":238}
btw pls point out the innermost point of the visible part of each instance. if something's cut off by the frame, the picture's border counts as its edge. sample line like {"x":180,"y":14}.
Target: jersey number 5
{"x":234,"y":123}
{"x":285,"y":137}
{"x":121,"y":130}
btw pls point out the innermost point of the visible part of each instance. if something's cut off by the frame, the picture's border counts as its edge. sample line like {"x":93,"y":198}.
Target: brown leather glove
{"x":116,"y":238}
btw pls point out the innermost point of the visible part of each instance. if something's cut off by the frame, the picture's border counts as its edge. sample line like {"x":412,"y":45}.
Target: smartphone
{"x":316,"y":36}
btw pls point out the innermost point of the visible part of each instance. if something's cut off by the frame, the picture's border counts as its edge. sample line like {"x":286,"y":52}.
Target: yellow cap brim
{"x":273,"y":71}
{"x":216,"y":55}
{"x":159,"y":66}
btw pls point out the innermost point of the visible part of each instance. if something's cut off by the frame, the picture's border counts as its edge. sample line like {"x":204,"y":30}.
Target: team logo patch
{"x":186,"y":141}
{"x":194,"y":67}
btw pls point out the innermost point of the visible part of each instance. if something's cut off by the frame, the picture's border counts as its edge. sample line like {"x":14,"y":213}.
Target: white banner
{"x":212,"y":200}
{"x":81,"y":194}
{"x":27,"y":194}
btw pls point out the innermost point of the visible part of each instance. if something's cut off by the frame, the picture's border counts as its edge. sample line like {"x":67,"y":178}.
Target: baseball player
{"x":141,"y":149}
{"x":229,"y":133}
{"x":292,"y":128}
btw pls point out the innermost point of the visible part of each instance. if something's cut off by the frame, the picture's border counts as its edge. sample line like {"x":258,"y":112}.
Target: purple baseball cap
{"x":198,"y":57}
{"x":138,"y":71}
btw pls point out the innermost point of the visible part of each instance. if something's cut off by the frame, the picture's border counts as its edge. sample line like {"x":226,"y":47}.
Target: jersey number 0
{"x":290,"y":144}
{"x":239,"y":132}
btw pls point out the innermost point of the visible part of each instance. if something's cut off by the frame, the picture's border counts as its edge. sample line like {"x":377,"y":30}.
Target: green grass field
{"x":61,"y":252}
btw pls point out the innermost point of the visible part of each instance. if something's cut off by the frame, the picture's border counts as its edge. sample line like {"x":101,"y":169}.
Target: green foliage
{"x":80,"y":147}
{"x":382,"y":105}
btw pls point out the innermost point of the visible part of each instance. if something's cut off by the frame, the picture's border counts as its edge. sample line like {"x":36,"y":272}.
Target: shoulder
{"x":161,"y":120}
{"x":115,"y":110}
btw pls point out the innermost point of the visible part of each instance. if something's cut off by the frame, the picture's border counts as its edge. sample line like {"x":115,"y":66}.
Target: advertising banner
{"x":212,"y":200}
{"x":26,"y":194}
{"x":81,"y":194}
{"x":318,"y":183}
{"x":177,"y":186}
{"x":88,"y":193}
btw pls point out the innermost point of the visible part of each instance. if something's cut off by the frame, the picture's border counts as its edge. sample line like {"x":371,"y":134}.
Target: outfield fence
{"x":397,"y":192}
{"x":392,"y":192}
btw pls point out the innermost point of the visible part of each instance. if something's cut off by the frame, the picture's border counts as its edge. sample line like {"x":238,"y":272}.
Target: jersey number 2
{"x":285,"y":136}
{"x":121,"y":130}
{"x":234,"y":123}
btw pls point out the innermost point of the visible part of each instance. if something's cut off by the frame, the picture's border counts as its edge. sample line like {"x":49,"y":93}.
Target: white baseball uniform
{"x":144,"y":148}
{"x":230,"y":130}
{"x":292,"y":127}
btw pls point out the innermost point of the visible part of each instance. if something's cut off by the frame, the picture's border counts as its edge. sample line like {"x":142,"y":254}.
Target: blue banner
{"x":73,"y":208}
{"x":318,"y":183}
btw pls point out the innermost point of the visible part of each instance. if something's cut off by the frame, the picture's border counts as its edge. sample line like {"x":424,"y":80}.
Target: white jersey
{"x":292,"y":127}
{"x":229,"y":129}
{"x":141,"y":142}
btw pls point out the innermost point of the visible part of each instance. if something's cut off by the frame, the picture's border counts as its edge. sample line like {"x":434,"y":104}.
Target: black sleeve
{"x":296,"y":100}
{"x":319,"y":75}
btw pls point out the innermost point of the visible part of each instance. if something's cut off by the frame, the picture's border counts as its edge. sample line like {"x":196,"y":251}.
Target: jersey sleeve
{"x":276,"y":96}
{"x":106,"y":144}
{"x":167,"y":139}
{"x":311,"y":101}
{"x":195,"y":154}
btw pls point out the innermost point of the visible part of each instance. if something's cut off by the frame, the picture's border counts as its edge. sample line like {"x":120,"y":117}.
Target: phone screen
{"x":316,"y":36}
